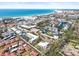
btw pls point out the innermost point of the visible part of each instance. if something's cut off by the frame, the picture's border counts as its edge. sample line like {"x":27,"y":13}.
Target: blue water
{"x":24,"y":12}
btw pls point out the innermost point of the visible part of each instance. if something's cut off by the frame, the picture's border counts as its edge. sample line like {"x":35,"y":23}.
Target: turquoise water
{"x":24,"y":12}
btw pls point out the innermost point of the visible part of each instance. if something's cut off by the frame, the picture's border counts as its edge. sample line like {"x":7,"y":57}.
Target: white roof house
{"x":43,"y":44}
{"x":14,"y":45}
{"x":55,"y":37}
{"x":13,"y":28}
{"x":16,"y":30}
{"x":14,"y":50}
{"x":32,"y":37}
{"x":28,"y":27}
{"x":66,"y":27}
{"x":34,"y":30}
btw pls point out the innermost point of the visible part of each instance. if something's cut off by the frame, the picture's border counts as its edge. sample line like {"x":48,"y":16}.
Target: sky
{"x":39,"y":5}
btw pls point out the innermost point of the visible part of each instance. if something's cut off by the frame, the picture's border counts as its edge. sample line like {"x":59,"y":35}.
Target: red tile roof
{"x":12,"y":54}
{"x":6,"y":54}
{"x":34,"y":53}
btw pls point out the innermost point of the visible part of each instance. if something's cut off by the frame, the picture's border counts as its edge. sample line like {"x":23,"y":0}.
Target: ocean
{"x":23,"y":12}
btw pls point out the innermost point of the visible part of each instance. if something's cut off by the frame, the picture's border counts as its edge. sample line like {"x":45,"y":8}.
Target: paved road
{"x":31,"y":46}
